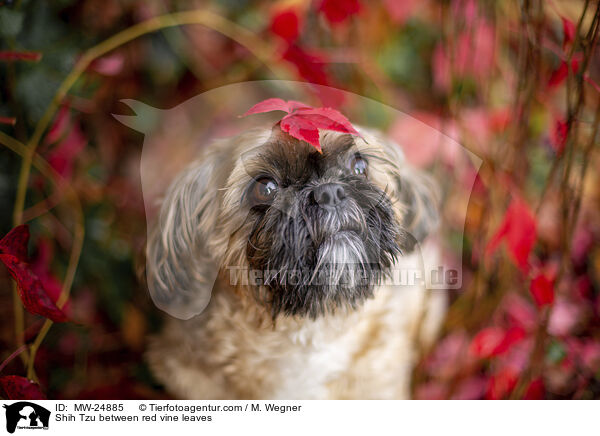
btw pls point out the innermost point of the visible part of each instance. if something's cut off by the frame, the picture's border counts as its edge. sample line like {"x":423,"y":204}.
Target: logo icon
{"x":26,"y":415}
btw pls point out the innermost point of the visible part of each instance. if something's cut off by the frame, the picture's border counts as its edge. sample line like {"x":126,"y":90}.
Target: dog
{"x":287,"y":253}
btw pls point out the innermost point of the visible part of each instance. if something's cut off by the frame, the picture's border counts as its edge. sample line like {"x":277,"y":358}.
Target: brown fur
{"x":234,"y":349}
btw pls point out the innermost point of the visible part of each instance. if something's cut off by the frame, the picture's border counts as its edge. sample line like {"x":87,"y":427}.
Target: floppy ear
{"x":180,"y":269}
{"x":418,"y":195}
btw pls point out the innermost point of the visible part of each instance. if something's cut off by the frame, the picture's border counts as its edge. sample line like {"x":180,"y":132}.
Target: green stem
{"x":61,"y":186}
{"x":213,"y":21}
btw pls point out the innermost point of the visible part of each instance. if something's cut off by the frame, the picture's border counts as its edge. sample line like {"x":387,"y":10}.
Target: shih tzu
{"x":293,"y":252}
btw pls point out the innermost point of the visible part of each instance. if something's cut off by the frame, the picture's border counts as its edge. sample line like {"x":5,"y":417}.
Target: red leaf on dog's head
{"x":328,"y":119}
{"x":518,"y":228}
{"x":31,"y":291}
{"x":303,"y":122}
{"x":15,"y":242}
{"x":19,"y":388}
{"x":542,"y":290}
{"x":276,"y":104}
{"x":302,"y":129}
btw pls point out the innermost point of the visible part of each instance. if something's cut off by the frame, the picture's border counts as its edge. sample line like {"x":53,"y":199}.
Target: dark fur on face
{"x":316,"y":258}
{"x":313,"y":256}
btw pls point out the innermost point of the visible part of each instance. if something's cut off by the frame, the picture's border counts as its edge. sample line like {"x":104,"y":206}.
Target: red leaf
{"x":40,"y":266}
{"x":558,"y":135}
{"x":310,"y":66}
{"x":15,"y":242}
{"x":512,"y":336}
{"x":568,"y":30}
{"x":8,"y":120}
{"x":558,"y":76}
{"x":328,"y":119}
{"x":575,"y":61}
{"x":19,"y":388}
{"x":303,"y":122}
{"x":542,"y":290}
{"x":302,"y":129}
{"x":502,"y":384}
{"x":109,"y":65}
{"x":32,"y":56}
{"x":31,"y":291}
{"x":275,"y":104}
{"x":61,"y":158}
{"x":535,"y":390}
{"x":486,"y":341}
{"x":518,"y":228}
{"x":338,"y":11}
{"x":493,"y":341}
{"x":286,"y":24}
{"x":59,"y":126}
{"x":13,"y":253}
{"x":519,"y":311}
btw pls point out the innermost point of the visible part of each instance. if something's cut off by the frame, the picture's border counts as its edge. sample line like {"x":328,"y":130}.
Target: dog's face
{"x":309,"y":232}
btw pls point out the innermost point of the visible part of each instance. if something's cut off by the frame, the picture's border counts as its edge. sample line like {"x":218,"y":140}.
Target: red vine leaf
{"x":542,"y":290}
{"x":15,"y":242}
{"x":338,"y":11}
{"x":569,"y":30}
{"x":13,"y":253}
{"x":493,"y":341}
{"x":276,"y":104}
{"x":11,"y":121}
{"x":286,"y":23}
{"x":558,"y":135}
{"x":20,"y":388}
{"x":303,"y":122}
{"x":536,"y":390}
{"x":502,"y":383}
{"x":59,"y":126}
{"x":518,"y":228}
{"x":559,"y":75}
{"x":31,"y":56}
{"x":62,"y":157}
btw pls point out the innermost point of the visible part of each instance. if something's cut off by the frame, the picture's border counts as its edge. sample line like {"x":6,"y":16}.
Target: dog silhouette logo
{"x":26,"y":415}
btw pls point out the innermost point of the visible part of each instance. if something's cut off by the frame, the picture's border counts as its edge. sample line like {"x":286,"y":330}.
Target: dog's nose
{"x":329,"y":194}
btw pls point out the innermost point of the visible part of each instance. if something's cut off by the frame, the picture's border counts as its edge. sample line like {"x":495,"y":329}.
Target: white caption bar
{"x":297,"y":417}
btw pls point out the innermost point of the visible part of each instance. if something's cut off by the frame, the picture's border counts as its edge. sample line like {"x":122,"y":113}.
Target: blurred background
{"x":514,"y":82}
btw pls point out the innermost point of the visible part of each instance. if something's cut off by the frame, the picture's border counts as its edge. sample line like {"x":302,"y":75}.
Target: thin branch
{"x":62,"y":185}
{"x":12,"y":356}
{"x":213,"y":21}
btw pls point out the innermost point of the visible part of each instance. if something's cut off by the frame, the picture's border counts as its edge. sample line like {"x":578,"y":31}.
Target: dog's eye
{"x":358,"y":165}
{"x":264,"y":190}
